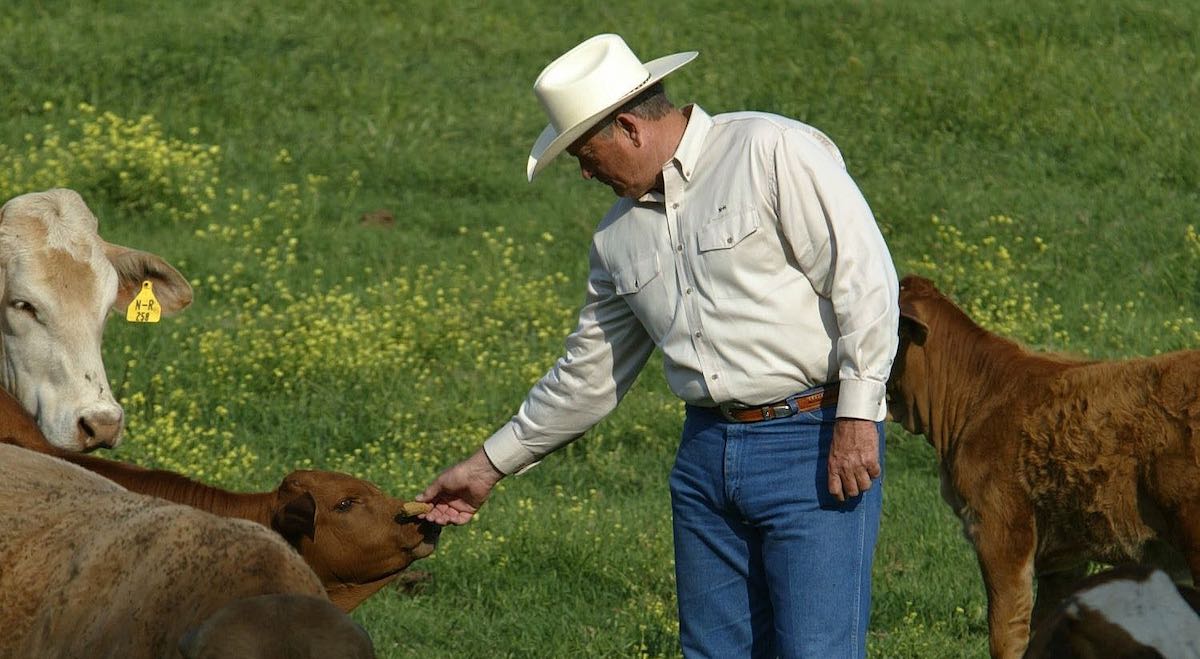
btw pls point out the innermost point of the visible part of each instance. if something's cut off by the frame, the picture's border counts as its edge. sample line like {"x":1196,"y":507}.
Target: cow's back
{"x":1094,"y":449}
{"x":89,"y":569}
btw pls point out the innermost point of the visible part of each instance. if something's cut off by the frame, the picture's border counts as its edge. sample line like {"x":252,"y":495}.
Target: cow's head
{"x":58,"y":281}
{"x":354,"y":536}
{"x":907,"y":379}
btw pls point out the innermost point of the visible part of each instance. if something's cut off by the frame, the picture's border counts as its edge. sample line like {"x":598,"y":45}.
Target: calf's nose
{"x":99,"y":429}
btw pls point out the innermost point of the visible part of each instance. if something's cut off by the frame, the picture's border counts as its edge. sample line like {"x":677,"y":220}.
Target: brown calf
{"x":88,"y":569}
{"x":353,"y":535}
{"x":1049,"y":462}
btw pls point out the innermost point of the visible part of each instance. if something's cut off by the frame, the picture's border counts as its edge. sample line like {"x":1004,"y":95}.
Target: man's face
{"x":611,"y":157}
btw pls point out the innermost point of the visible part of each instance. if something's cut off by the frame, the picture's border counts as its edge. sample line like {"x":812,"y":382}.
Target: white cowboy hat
{"x":586,"y":83}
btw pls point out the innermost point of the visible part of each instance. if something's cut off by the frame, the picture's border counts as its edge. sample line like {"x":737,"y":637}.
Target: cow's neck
{"x":973,"y":374}
{"x":253,"y":506}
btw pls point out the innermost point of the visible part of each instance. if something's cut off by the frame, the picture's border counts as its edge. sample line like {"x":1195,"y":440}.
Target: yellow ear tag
{"x":145,"y":307}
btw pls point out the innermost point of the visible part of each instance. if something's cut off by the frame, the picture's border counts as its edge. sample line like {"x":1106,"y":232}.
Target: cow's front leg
{"x":1005,"y":550}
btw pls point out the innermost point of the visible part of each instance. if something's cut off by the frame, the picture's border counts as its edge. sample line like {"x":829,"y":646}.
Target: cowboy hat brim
{"x":551,"y":143}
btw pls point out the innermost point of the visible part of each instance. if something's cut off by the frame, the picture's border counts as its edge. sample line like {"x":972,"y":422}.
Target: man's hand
{"x":457,"y":493}
{"x":853,"y":457}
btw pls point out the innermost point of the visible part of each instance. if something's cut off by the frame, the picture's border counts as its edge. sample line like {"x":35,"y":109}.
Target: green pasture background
{"x":1037,"y":159}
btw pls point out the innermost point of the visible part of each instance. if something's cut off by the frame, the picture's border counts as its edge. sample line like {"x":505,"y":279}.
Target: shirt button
{"x":679,"y":248}
{"x":729,"y":241}
{"x":688,"y":291}
{"x":675,"y":205}
{"x":697,"y":335}
{"x":715,"y":376}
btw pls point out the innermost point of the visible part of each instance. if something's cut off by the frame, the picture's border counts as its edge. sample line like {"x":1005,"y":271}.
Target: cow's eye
{"x":344,"y":505}
{"x":25,"y":307}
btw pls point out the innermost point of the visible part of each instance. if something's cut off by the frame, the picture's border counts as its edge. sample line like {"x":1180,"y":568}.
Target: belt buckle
{"x":784,"y":409}
{"x":768,"y":412}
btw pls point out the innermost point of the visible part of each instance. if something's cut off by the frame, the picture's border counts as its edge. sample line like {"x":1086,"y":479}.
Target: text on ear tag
{"x":144,"y":308}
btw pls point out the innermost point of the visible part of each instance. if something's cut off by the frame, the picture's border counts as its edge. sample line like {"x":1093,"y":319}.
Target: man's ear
{"x":296,"y":519}
{"x":629,"y":124}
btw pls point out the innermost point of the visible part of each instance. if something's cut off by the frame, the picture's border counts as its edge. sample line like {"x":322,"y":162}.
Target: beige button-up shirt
{"x":759,"y":272}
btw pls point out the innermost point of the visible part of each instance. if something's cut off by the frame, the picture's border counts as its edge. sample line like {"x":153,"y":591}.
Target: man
{"x":743,"y":250}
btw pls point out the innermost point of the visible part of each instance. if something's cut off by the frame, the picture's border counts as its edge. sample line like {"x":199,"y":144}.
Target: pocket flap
{"x":636,"y":275}
{"x":724,"y":233}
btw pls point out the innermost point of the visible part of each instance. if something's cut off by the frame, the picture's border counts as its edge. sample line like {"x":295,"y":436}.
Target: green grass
{"x":393,"y":352}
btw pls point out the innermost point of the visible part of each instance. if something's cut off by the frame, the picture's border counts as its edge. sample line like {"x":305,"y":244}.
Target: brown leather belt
{"x":822,"y":397}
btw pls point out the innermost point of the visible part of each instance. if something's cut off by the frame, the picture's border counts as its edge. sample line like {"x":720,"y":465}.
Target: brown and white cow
{"x":58,"y":281}
{"x":1129,"y":611}
{"x":1048,"y":461}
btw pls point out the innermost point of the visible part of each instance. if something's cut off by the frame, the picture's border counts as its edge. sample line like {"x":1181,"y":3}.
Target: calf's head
{"x":58,"y":281}
{"x":356,"y":538}
{"x":907,"y":382}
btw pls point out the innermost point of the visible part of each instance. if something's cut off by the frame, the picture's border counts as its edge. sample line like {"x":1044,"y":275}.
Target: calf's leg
{"x":1005,"y":551}
{"x":1053,"y":588}
{"x":1189,"y":532}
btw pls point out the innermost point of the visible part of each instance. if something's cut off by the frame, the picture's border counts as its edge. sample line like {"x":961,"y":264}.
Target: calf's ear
{"x":296,"y":519}
{"x":912,"y":326}
{"x":133,"y":267}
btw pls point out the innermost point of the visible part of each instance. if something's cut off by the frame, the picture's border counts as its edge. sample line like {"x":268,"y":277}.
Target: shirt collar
{"x":687,"y":154}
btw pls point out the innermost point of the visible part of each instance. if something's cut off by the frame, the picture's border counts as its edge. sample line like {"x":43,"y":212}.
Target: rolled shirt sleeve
{"x":840,"y":249}
{"x":603,"y":357}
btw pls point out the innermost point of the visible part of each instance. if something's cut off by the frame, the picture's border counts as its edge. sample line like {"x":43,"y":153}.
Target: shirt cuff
{"x":507,"y":452}
{"x":862,"y":399}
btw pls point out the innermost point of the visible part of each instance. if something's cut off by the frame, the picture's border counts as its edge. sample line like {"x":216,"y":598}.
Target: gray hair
{"x":652,"y":103}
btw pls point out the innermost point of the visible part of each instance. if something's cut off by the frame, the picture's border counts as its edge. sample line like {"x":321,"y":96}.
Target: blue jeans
{"x":767,"y":562}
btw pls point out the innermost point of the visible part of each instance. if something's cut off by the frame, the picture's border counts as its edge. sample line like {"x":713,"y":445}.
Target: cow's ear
{"x":134,"y":267}
{"x":912,"y":326}
{"x":296,"y":519}
{"x":190,"y":643}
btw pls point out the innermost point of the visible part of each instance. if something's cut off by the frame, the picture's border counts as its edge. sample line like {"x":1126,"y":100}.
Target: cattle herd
{"x":1053,"y":465}
{"x":114,"y":560}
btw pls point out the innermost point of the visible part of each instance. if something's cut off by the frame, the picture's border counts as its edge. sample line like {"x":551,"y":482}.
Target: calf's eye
{"x":344,"y":505}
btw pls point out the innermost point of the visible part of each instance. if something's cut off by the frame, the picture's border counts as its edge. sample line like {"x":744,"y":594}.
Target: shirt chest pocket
{"x":637,"y":275}
{"x":727,"y":232}
{"x":739,"y":256}
{"x":642,"y":285}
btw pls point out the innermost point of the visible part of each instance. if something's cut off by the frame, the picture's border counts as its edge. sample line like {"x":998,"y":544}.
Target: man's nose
{"x":587,"y":173}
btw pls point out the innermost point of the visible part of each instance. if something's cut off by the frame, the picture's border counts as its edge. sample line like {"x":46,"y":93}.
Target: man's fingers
{"x":835,"y":486}
{"x":849,"y":486}
{"x":444,"y":515}
{"x":431,"y":492}
{"x":864,"y":481}
{"x":849,"y":482}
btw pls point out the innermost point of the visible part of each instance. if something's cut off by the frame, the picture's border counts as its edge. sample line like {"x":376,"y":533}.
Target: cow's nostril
{"x":99,"y":430}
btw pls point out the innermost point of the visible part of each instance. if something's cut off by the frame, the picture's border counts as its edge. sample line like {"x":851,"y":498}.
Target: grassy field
{"x":1038,"y":159}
